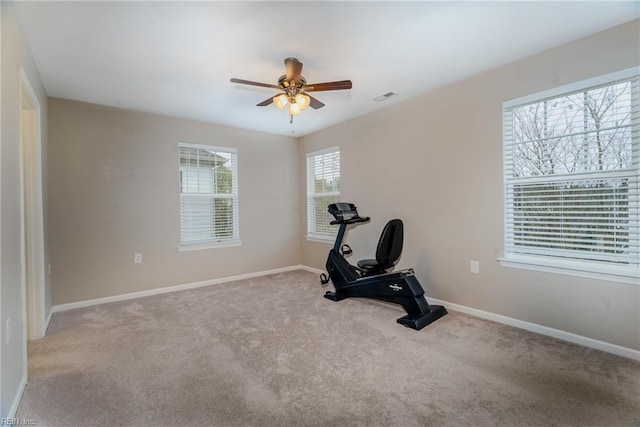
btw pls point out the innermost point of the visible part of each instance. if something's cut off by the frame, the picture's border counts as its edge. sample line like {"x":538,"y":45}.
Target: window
{"x":323,"y":188}
{"x":208,"y":195}
{"x":571,"y":162}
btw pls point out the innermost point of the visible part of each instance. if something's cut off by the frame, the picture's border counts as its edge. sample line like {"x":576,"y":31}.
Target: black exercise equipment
{"x":370,"y":278}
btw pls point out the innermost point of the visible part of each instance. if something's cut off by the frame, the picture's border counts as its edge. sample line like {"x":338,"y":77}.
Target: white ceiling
{"x":176,"y":58}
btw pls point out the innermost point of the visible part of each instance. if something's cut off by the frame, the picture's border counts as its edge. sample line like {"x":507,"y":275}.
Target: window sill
{"x":321,"y":239}
{"x":589,"y":270}
{"x":212,"y":245}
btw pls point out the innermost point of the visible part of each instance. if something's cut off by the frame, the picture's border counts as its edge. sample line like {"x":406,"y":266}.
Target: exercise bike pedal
{"x":324,"y":279}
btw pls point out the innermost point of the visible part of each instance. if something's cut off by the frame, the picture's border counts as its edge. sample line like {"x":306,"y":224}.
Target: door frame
{"x":31,"y":209}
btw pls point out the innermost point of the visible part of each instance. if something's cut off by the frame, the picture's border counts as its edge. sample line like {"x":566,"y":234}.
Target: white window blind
{"x":323,"y":189}
{"x":571,"y":165}
{"x":208,"y":194}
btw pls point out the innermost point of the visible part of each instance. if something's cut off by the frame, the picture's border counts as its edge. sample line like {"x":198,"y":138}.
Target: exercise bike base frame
{"x":419,"y":322}
{"x":413,"y":321}
{"x":400,"y":287}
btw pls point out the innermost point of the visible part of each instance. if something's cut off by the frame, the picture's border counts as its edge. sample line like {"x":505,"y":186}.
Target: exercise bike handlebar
{"x":352,"y":220}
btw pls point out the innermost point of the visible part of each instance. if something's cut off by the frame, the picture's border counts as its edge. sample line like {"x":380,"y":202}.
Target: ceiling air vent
{"x":385,"y":96}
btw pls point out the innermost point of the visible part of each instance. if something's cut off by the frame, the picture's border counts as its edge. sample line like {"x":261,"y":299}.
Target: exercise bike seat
{"x":388,"y":251}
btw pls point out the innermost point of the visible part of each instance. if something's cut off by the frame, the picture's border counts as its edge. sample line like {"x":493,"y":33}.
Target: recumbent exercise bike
{"x":370,"y":278}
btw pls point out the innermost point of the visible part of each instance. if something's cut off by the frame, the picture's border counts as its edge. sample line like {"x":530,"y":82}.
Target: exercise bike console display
{"x":345,"y":213}
{"x":370,"y":278}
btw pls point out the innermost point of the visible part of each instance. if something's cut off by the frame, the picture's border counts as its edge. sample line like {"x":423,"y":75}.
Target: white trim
{"x":323,"y":151}
{"x":207,"y":147}
{"x":2,"y":320}
{"x":543,"y":330}
{"x":23,"y":243}
{"x":18,"y":398}
{"x":312,"y":269}
{"x":168,"y":289}
{"x":320,"y":239}
{"x":532,"y":327}
{"x":528,"y":326}
{"x":48,"y":321}
{"x":572,"y":87}
{"x":32,"y":210}
{"x":588,"y":270}
{"x":221,"y":244}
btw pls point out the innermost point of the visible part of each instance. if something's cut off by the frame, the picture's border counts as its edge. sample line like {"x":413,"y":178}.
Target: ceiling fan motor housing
{"x":284,"y":83}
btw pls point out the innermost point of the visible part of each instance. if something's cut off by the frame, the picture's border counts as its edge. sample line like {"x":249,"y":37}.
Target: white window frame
{"x":312,"y":234}
{"x":213,"y":243}
{"x":629,"y":274}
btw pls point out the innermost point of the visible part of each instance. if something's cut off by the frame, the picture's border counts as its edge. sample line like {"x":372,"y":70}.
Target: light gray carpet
{"x":271,"y":351}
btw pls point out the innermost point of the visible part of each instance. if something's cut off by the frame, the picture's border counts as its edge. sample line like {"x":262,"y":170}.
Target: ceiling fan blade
{"x":249,"y":82}
{"x":314,"y":103}
{"x":265,"y":102}
{"x":294,"y":69}
{"x":339,"y":85}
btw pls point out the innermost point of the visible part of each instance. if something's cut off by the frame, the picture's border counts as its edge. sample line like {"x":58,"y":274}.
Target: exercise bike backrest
{"x":390,"y":245}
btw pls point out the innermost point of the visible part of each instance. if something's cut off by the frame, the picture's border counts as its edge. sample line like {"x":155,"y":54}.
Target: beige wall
{"x":15,"y":53}
{"x":114,"y":191}
{"x":436,"y":162}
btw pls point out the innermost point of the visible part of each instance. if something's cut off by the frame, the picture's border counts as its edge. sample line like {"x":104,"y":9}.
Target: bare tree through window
{"x":571,"y":175}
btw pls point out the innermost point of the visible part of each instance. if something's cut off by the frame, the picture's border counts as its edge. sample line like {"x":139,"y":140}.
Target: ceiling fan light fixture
{"x":280,"y":101}
{"x":303,"y":100}
{"x":294,"y":108}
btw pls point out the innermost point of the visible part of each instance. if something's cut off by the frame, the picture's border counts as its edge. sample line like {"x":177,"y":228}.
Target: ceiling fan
{"x":295,"y":89}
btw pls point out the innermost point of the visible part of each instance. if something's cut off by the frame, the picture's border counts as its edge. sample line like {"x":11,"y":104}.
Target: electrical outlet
{"x":137,"y":258}
{"x":50,"y":269}
{"x":474,"y":266}
{"x":8,"y":330}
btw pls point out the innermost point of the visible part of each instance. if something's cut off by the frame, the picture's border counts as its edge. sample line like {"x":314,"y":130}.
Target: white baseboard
{"x":543,"y":330}
{"x":168,"y":289}
{"x":18,"y":397}
{"x":528,"y":326}
{"x":532,"y":327}
{"x":312,"y":269}
{"x":48,"y":321}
